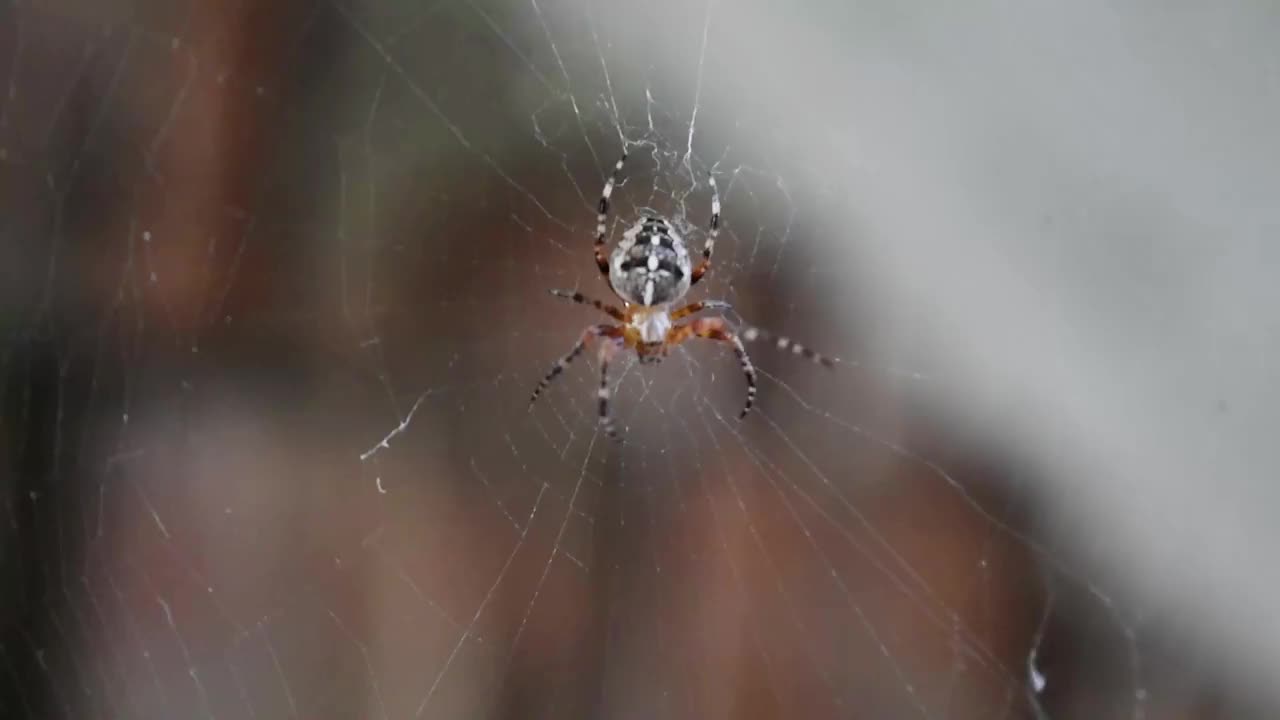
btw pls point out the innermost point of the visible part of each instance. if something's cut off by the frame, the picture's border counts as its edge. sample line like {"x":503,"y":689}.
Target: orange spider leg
{"x":595,"y":331}
{"x":631,"y":337}
{"x":603,"y":307}
{"x":692,"y":308}
{"x":717,"y":328}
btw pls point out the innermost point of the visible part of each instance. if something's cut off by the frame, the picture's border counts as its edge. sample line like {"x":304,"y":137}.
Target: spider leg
{"x":602,"y":214}
{"x":592,"y":332}
{"x":603,"y":394}
{"x":581,"y":299}
{"x":751,"y":334}
{"x":692,"y":308}
{"x":717,"y":328}
{"x":710,"y":247}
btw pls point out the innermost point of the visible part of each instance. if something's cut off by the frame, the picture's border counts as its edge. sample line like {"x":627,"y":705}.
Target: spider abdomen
{"x":651,"y":265}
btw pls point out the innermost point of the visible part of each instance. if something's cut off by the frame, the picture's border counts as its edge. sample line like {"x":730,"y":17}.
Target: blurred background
{"x":273,"y":296}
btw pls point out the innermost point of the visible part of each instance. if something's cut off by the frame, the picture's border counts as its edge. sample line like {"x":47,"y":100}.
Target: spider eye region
{"x":651,"y":264}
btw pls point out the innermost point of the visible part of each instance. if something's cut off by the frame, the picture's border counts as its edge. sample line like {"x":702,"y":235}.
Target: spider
{"x":650,"y":270}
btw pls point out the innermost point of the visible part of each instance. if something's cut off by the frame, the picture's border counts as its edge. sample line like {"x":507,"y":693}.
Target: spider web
{"x":274,"y":297}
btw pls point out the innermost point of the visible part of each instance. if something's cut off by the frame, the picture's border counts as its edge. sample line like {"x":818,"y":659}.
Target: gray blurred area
{"x":273,"y":295}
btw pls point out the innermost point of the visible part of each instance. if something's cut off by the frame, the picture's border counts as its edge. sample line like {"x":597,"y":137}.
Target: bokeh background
{"x":273,"y":295}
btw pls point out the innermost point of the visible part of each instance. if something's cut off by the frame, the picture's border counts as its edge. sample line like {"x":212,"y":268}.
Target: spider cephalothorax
{"x":650,"y":270}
